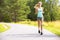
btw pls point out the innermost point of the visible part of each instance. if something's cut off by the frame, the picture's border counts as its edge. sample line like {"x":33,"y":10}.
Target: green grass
{"x":3,"y":27}
{"x":54,"y":26}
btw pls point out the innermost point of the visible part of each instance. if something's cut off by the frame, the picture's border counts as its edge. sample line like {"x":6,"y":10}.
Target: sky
{"x":58,"y":2}
{"x":47,"y":0}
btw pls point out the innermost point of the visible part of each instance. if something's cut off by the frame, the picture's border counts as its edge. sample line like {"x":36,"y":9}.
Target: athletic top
{"x":40,"y":12}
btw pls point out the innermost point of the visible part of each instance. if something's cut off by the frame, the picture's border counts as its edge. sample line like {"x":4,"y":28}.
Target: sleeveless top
{"x":40,"y":12}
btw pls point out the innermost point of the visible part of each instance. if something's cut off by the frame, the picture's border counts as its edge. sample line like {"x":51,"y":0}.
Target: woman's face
{"x":40,"y":4}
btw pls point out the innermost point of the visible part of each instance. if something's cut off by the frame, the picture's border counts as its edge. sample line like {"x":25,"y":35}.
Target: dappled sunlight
{"x":4,"y":27}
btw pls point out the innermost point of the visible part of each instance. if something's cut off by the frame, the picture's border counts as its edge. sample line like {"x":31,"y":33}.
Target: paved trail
{"x":25,"y":32}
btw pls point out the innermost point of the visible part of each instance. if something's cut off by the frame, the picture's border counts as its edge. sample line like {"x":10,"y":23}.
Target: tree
{"x":51,"y":10}
{"x":17,"y":10}
{"x":14,"y":10}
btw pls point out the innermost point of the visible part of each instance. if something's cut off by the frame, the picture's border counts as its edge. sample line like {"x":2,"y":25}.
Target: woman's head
{"x":40,"y":3}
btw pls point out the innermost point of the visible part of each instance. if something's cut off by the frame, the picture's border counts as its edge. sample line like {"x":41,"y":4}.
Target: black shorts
{"x":39,"y":18}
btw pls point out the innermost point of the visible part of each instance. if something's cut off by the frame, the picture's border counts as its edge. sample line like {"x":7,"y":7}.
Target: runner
{"x":39,"y":10}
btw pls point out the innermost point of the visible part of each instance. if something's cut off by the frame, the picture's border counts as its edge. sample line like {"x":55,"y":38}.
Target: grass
{"x":51,"y":26}
{"x":3,"y":27}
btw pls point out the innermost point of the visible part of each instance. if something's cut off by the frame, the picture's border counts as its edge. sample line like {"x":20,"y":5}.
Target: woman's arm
{"x":36,"y":8}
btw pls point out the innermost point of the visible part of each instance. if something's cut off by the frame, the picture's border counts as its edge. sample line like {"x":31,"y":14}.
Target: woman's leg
{"x":41,"y":27}
{"x":38,"y":26}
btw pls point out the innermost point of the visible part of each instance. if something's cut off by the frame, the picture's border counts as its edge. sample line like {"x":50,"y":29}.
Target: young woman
{"x":39,"y":10}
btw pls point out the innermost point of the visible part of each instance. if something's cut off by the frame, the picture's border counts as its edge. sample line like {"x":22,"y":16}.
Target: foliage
{"x":4,"y":27}
{"x":52,"y":10}
{"x":14,"y":10}
{"x":17,"y":10}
